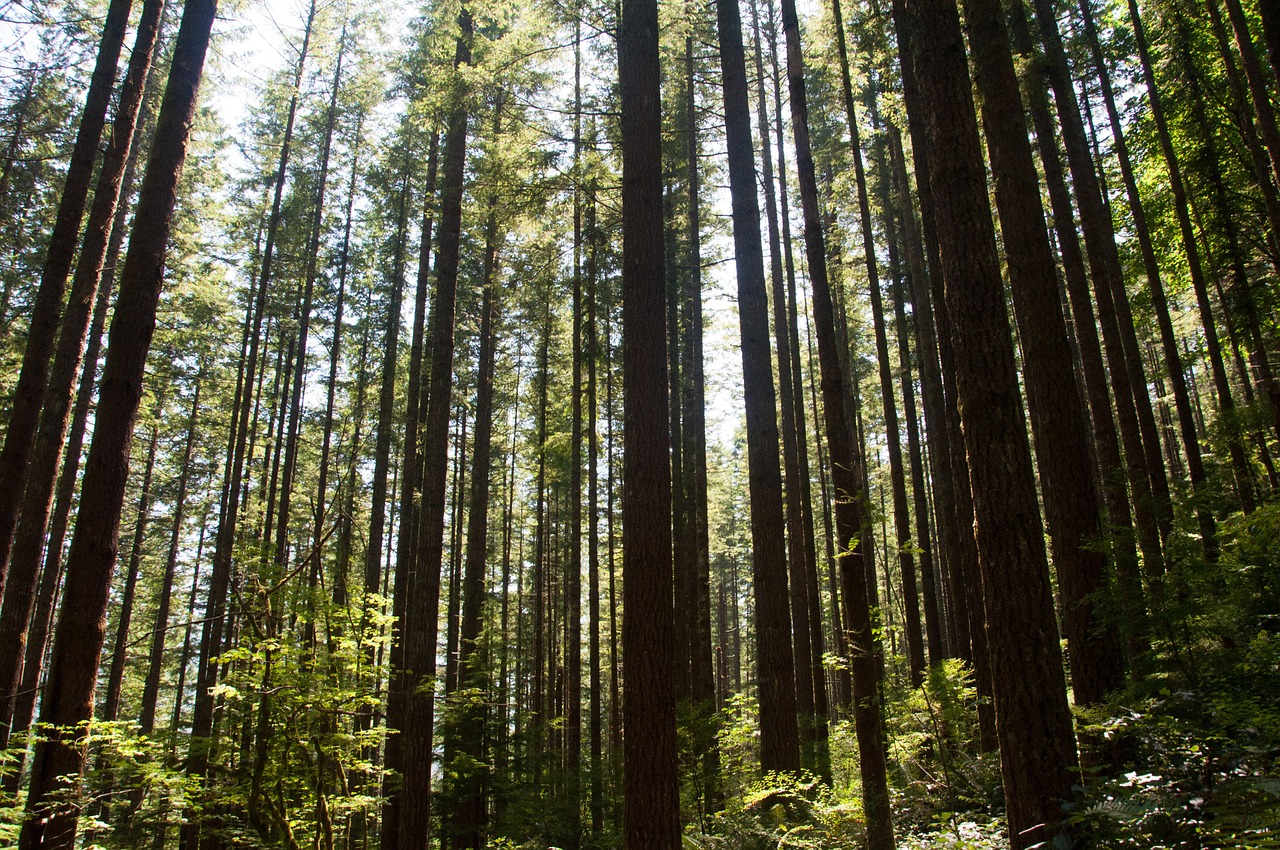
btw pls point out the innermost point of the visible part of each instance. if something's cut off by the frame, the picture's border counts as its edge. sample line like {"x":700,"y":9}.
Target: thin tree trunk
{"x":901,"y":512}
{"x":160,"y":626}
{"x":847,"y":474}
{"x":212,"y":632}
{"x":1257,"y":81}
{"x":778,"y":702}
{"x":696,"y":586}
{"x":1160,"y":301}
{"x":304,"y":331}
{"x":951,"y":538}
{"x":921,"y":540}
{"x":1182,"y":210}
{"x":593,"y":516}
{"x":115,"y":671}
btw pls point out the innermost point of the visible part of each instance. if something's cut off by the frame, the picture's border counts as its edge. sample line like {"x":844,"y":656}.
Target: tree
{"x":46,"y":309}
{"x":651,"y":788}
{"x":78,"y":638}
{"x":1030,"y":695}
{"x":847,"y":473}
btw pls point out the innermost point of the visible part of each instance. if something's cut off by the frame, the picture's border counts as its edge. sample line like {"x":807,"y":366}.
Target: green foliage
{"x":783,"y":811}
{"x":1189,"y":758}
{"x":940,"y":772}
{"x":1202,"y":779}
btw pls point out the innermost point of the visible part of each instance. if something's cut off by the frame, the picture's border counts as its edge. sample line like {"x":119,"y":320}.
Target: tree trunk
{"x":469,"y":778}
{"x":1160,"y":301}
{"x":847,"y":473}
{"x":921,"y":540}
{"x":1058,"y":414}
{"x":160,"y":627}
{"x":212,"y":632}
{"x":42,"y":473}
{"x":650,"y":786}
{"x":78,"y":640}
{"x":901,"y":512}
{"x":1037,"y":747}
{"x":115,"y":672}
{"x":410,"y":805}
{"x":778,"y":701}
{"x":46,"y":309}
{"x":695,"y":586}
{"x":1182,"y":209}
{"x":1106,"y":444}
{"x":1262,"y":103}
{"x":1108,"y":279}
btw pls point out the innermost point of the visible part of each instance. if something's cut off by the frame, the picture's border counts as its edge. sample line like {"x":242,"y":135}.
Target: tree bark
{"x":847,"y":473}
{"x":46,"y":309}
{"x":78,"y":639}
{"x":650,"y":782}
{"x":1037,"y":747}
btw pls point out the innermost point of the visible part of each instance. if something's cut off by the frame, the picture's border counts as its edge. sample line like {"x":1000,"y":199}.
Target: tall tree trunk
{"x":799,"y":497}
{"x":778,"y":702}
{"x":470,"y":779}
{"x":952,"y":539}
{"x":1262,"y":102}
{"x":78,"y":639}
{"x":335,"y":356}
{"x":1037,"y":748}
{"x":650,"y":785}
{"x":51,"y":572}
{"x":593,"y":514}
{"x":410,"y":806}
{"x":695,"y":586}
{"x":1058,"y":414}
{"x":46,"y":308}
{"x":1120,"y":532}
{"x":47,"y":448}
{"x":1104,"y":264}
{"x":901,"y":512}
{"x":573,"y":574}
{"x":847,"y":473}
{"x":304,"y":330}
